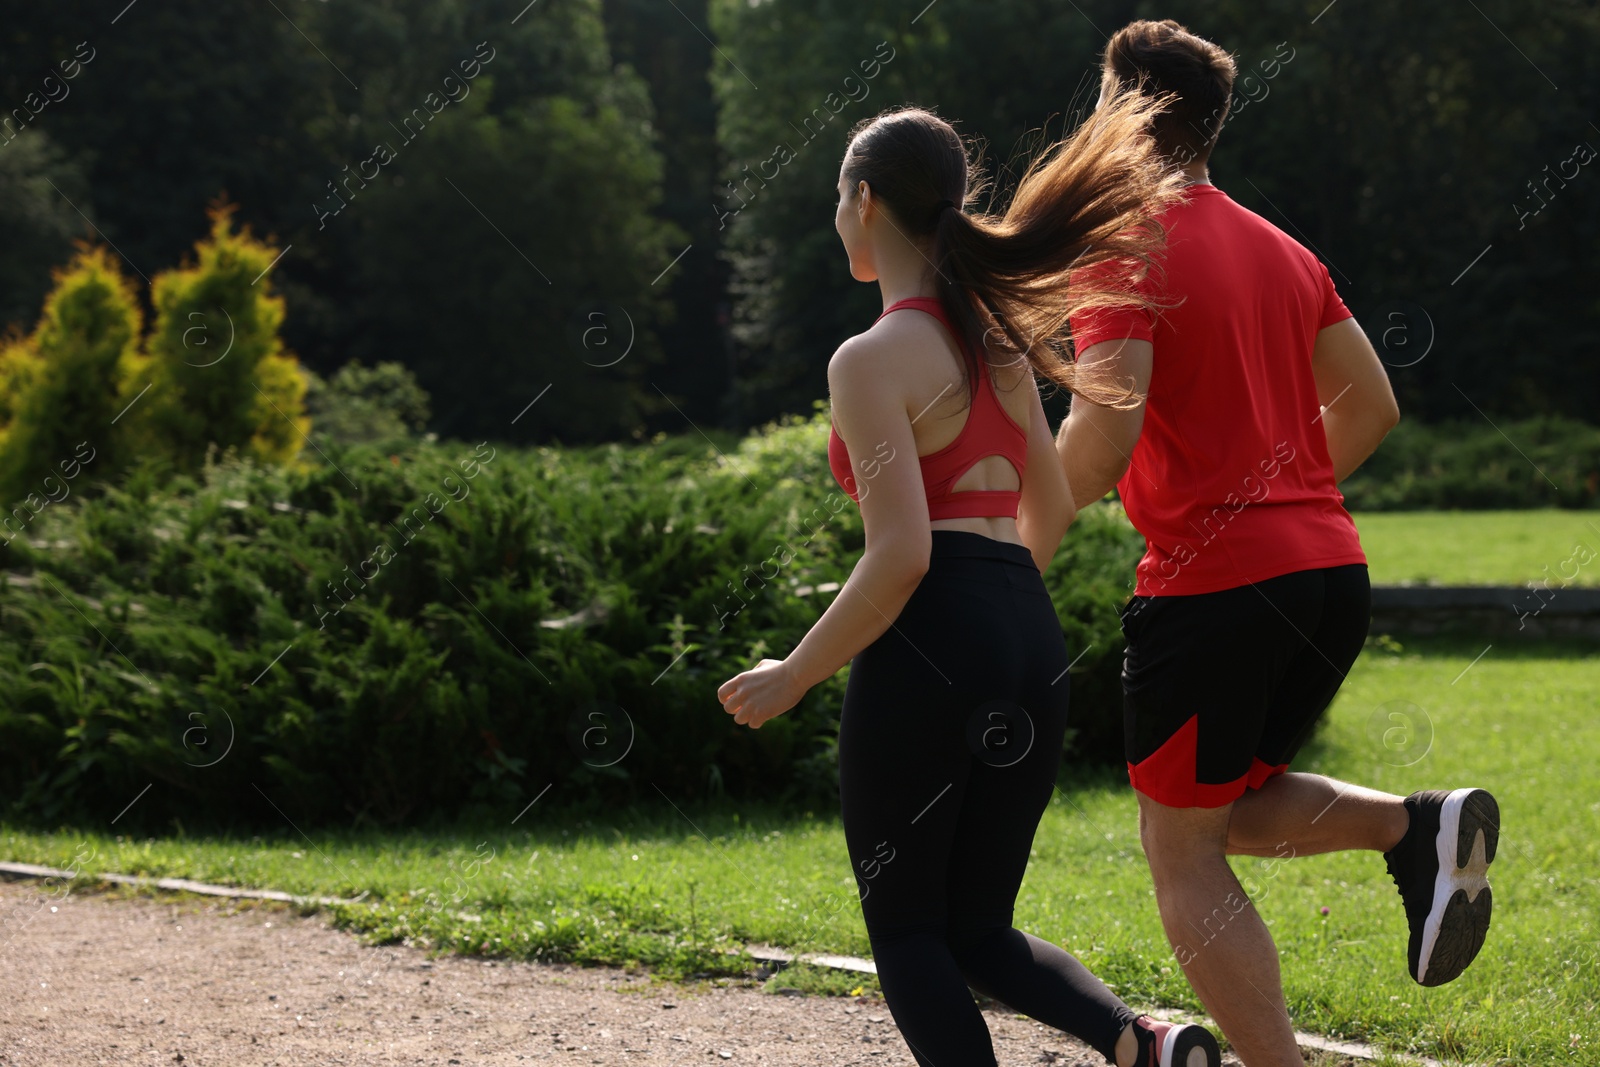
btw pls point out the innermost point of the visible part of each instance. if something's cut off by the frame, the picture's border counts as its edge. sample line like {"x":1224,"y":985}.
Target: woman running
{"x":955,"y":710}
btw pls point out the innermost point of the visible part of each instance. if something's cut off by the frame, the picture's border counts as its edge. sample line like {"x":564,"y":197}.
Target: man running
{"x":1252,"y":599}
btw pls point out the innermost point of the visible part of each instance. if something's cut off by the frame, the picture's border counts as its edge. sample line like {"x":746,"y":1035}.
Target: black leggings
{"x":949,"y":742}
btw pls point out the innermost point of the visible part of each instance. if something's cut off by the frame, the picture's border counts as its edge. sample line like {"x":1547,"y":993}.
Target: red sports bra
{"x":989,"y":431}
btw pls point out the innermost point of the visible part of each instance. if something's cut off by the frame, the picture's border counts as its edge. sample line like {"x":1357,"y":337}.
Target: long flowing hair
{"x":1078,"y":234}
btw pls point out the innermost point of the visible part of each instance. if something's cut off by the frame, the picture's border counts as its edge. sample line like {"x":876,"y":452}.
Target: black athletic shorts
{"x":1221,"y":689}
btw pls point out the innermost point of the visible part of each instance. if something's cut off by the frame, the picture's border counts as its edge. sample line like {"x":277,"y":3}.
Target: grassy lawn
{"x":677,"y":890}
{"x":1482,"y":547}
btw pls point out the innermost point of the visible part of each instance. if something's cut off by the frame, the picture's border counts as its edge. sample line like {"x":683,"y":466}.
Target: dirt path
{"x":126,"y":978}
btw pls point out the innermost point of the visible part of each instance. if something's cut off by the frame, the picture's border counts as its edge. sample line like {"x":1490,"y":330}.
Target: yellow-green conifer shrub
{"x":64,"y":384}
{"x":219,"y":374}
{"x":18,"y":365}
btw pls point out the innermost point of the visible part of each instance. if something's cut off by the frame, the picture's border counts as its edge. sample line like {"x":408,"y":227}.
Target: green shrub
{"x":64,"y":384}
{"x":1090,"y":579}
{"x":1536,"y":463}
{"x":216,"y":368}
{"x":448,"y":629}
{"x":360,"y":404}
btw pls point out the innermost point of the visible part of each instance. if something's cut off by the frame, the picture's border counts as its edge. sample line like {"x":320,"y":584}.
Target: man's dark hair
{"x":1163,"y":57}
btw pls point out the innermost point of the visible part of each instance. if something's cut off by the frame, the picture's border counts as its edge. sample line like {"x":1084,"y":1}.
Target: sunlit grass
{"x":682,"y":891}
{"x":1482,"y":547}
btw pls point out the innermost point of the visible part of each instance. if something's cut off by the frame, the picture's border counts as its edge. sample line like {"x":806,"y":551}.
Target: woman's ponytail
{"x":1078,"y":234}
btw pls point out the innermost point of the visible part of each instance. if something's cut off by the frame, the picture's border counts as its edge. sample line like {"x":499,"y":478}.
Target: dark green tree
{"x":36,"y":178}
{"x":509,"y":242}
{"x":169,"y":107}
{"x":667,"y":45}
{"x":1397,"y":143}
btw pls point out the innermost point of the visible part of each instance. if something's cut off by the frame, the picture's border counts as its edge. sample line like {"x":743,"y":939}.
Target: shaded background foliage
{"x":1394,"y":142}
{"x":1398,"y":141}
{"x":467,"y":258}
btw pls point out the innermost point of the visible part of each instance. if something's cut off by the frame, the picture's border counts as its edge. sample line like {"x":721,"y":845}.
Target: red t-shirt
{"x":1230,"y":482}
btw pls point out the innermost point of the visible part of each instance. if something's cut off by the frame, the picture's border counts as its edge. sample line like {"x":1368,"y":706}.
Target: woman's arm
{"x":1046,"y":508}
{"x":869,"y":412}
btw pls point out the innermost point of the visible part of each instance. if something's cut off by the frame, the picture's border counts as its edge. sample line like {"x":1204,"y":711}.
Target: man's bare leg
{"x":1312,"y":814}
{"x":1220,"y":941}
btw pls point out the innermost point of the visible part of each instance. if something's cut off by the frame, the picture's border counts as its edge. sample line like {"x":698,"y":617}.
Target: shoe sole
{"x":1458,"y":922}
{"x":1192,"y":1046}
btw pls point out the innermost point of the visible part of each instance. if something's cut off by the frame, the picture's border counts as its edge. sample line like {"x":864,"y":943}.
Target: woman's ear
{"x":864,"y":201}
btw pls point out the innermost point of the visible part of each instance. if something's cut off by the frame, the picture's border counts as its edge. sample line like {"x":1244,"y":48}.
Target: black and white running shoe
{"x":1174,"y":1044}
{"x":1441,"y":867}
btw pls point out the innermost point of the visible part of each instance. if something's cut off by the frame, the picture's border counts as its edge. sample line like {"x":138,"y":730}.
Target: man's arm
{"x":1358,"y":406}
{"x":1046,"y":509}
{"x":1095,"y":444}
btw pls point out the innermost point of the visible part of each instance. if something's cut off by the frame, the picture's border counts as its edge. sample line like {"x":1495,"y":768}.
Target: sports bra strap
{"x":989,"y":431}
